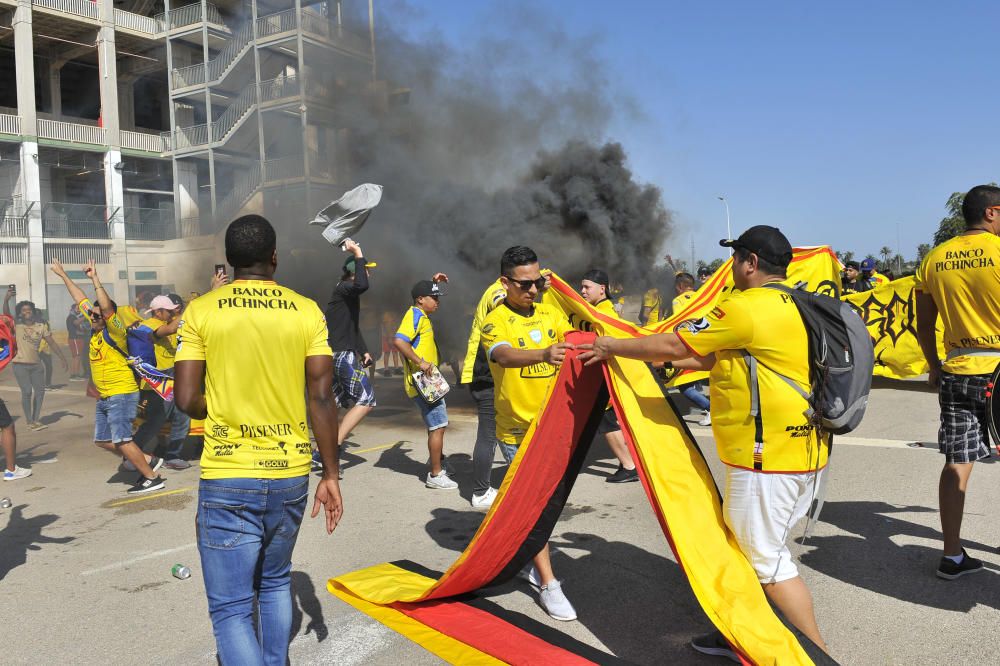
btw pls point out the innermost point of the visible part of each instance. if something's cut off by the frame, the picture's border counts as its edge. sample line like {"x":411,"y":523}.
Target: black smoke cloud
{"x":499,"y":143}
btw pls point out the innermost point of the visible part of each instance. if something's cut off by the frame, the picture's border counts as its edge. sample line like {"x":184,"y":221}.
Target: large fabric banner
{"x":890,"y":313}
{"x":441,"y":612}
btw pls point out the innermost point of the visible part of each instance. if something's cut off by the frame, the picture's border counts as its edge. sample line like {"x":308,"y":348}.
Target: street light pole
{"x":729,"y":230}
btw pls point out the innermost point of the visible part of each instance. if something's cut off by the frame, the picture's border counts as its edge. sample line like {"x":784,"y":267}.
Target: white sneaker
{"x":706,"y":420}
{"x":484,"y":501}
{"x":18,"y":473}
{"x":556,"y":604}
{"x":440,"y":482}
{"x":530,"y":574}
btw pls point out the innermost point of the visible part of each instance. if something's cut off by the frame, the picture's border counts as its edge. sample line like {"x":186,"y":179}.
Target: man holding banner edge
{"x":773,"y":458}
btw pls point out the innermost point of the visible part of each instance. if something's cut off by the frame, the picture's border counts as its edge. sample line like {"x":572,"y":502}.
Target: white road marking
{"x":125,"y":563}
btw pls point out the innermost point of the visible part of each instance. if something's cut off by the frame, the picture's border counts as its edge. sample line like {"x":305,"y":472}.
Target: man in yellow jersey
{"x":773,"y":459}
{"x":160,"y":328}
{"x":415,"y":341}
{"x":870,"y":277}
{"x":476,"y":374}
{"x":251,"y":355}
{"x":960,"y":281}
{"x":652,"y":302}
{"x":684,"y":286}
{"x":114,"y":381}
{"x":524,"y":342}
{"x":594,"y":289}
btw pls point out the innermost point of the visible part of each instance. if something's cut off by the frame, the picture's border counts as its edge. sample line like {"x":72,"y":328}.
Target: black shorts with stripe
{"x":963,"y":436}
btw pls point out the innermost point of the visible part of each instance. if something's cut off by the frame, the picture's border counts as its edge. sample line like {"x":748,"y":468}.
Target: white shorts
{"x":760,"y":510}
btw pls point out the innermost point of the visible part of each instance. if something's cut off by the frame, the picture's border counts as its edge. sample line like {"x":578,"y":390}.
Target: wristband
{"x":667,"y":365}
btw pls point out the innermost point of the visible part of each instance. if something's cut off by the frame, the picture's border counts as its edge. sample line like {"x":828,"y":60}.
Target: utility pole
{"x":694,"y":269}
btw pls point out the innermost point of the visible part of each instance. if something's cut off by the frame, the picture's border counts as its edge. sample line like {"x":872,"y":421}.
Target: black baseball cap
{"x":425,"y":288}
{"x":766,"y":242}
{"x":597,"y":276}
{"x":852,"y":264}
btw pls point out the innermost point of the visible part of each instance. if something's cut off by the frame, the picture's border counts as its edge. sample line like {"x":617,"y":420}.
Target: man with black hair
{"x":851,"y":280}
{"x":352,"y":386}
{"x":774,"y":457}
{"x":113,"y":378}
{"x":594,"y":288}
{"x":525,"y":344}
{"x":251,"y":356}
{"x":960,"y":281}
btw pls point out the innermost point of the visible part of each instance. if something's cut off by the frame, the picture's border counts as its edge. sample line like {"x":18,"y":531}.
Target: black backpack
{"x":841,"y":362}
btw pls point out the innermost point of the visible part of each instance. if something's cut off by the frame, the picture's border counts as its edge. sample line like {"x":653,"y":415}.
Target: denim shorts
{"x":435,"y":414}
{"x":113,"y":417}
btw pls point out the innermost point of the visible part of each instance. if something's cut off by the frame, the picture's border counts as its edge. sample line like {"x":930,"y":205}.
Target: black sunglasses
{"x":96,"y":316}
{"x":525,"y":285}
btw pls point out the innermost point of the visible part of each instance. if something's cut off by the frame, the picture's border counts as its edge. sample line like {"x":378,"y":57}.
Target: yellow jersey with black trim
{"x":962,"y":275}
{"x":652,"y":300}
{"x":519,"y":392}
{"x":491,"y":298}
{"x":254,"y":337}
{"x":110,"y":372}
{"x":766,"y":324}
{"x":682,"y":301}
{"x":607,"y":307}
{"x":417,"y":329}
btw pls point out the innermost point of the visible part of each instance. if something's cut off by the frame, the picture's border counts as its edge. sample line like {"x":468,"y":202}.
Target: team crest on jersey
{"x":552,"y":334}
{"x":718,"y":313}
{"x":693,"y":326}
{"x":535,"y":335}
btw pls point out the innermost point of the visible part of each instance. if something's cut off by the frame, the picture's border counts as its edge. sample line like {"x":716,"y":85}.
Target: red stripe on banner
{"x":539,"y":471}
{"x":488,"y":633}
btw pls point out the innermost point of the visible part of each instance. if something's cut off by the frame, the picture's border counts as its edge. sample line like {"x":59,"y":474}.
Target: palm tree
{"x":886,"y":252}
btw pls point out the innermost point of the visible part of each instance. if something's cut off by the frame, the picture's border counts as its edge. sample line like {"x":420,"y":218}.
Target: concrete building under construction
{"x":132,"y":131}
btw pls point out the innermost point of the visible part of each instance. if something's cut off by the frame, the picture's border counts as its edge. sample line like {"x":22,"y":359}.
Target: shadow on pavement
{"x":305,"y":602}
{"x":395,"y":458}
{"x":870,"y":559}
{"x":27,"y":457}
{"x":636,"y":603}
{"x":23,"y":534}
{"x":54,"y":417}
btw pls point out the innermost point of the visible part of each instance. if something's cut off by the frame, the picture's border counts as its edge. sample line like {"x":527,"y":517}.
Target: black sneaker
{"x":155,"y":463}
{"x":623,"y":476}
{"x":950,"y":571}
{"x":714,"y":644}
{"x":144,"y":485}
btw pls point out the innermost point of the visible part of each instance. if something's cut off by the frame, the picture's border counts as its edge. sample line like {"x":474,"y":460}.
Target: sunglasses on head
{"x":525,"y":285}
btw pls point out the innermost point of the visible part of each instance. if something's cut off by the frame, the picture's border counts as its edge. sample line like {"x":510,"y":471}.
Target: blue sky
{"x":842,"y":123}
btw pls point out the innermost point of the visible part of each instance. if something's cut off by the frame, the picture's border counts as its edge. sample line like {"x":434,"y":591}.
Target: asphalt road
{"x":85,"y":571}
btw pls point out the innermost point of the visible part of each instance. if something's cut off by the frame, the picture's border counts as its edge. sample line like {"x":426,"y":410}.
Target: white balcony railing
{"x":189,"y":137}
{"x":190,"y":15}
{"x":152,"y":143}
{"x":9,"y":124}
{"x":243,"y":188}
{"x":137,"y":22}
{"x":273,"y":24}
{"x":279,"y":88}
{"x":83,"y":8}
{"x":72,"y":132}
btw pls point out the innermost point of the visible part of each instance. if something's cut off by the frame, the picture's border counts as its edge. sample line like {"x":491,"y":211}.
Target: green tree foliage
{"x":953,"y":224}
{"x":885,"y":253}
{"x":922,"y":251}
{"x":845,"y":256}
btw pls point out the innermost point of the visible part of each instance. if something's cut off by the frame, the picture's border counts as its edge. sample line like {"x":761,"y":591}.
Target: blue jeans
{"x":693,"y":393}
{"x":246,"y":532}
{"x":113,"y":417}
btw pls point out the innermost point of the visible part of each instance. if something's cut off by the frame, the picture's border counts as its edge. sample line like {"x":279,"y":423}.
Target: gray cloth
{"x":347,"y":215}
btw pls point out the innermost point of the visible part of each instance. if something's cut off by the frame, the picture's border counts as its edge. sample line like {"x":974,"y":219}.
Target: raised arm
{"x":74,"y":291}
{"x":102,"y":294}
{"x":323,"y":417}
{"x":6,"y":302}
